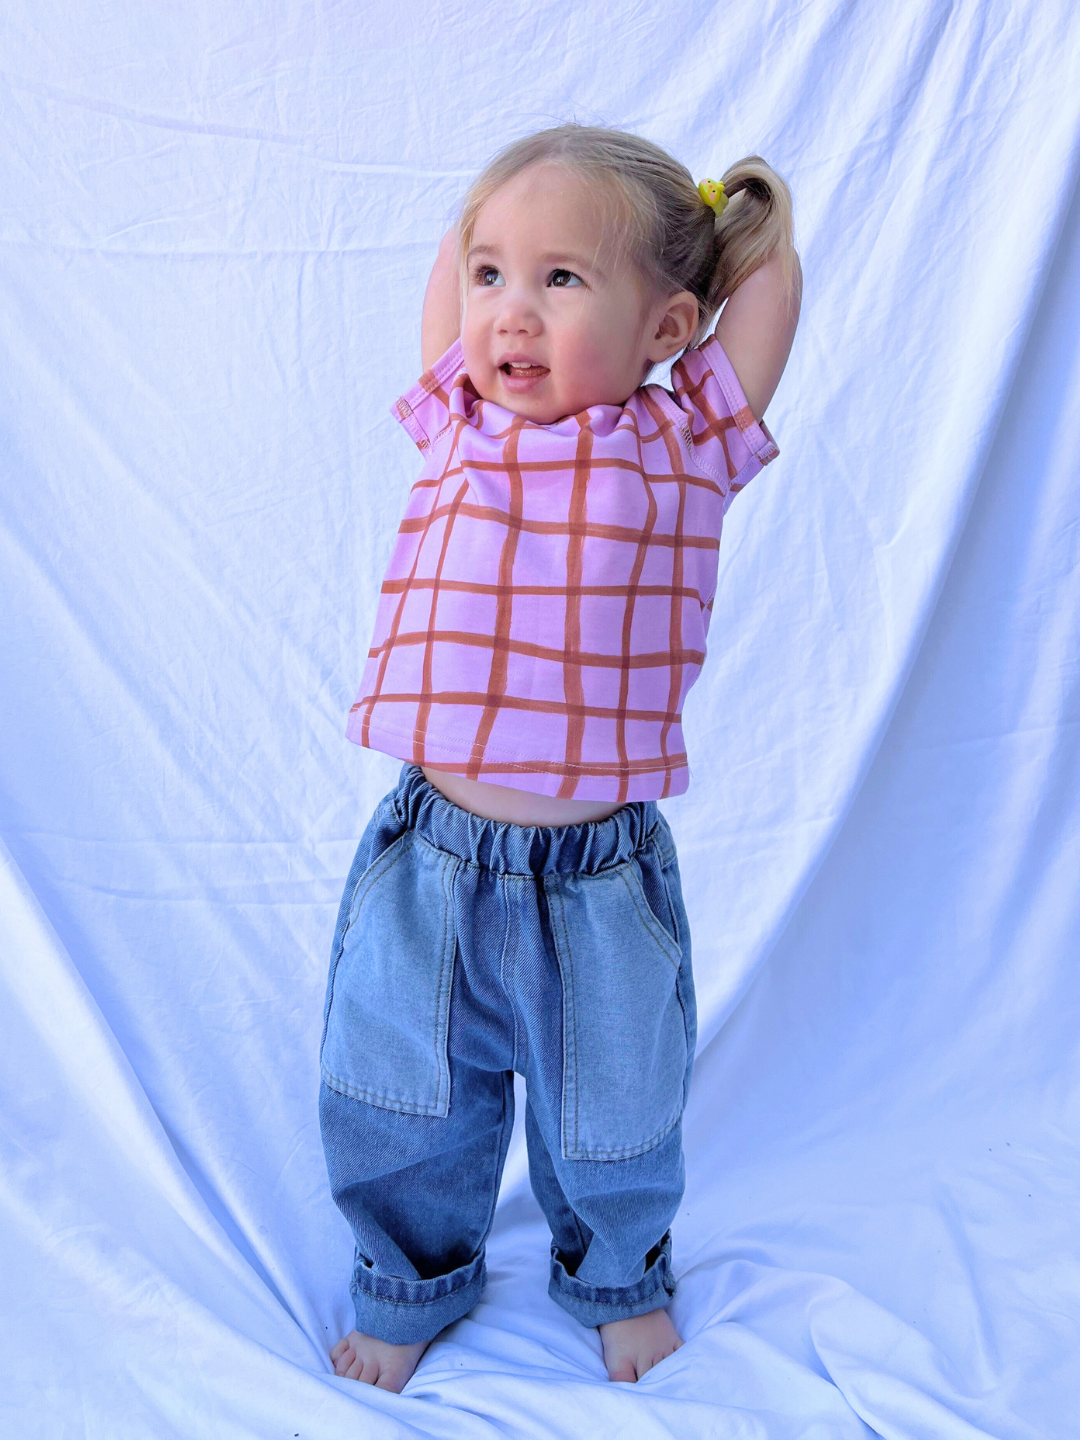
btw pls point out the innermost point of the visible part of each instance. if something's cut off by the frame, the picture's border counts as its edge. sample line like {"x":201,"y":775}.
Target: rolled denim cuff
{"x":404,"y":1312}
{"x":597,"y":1304}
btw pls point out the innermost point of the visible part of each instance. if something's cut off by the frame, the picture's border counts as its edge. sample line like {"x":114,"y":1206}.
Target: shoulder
{"x":424,"y":409}
{"x":724,"y":434}
{"x":705,"y":382}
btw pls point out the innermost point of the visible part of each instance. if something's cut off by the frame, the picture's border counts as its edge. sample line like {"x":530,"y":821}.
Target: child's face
{"x":555,"y":320}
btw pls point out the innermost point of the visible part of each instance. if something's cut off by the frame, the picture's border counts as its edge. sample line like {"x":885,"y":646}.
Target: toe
{"x":343,"y":1359}
{"x":624,"y":1370}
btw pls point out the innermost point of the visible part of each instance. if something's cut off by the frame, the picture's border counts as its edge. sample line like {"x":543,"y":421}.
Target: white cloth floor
{"x":216,"y":225}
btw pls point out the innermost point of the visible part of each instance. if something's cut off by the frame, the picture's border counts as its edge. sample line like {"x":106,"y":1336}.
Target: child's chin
{"x":541,"y":409}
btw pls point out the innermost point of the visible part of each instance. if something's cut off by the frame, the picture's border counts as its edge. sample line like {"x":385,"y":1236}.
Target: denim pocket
{"x":624,"y":1028}
{"x":388,"y":1002}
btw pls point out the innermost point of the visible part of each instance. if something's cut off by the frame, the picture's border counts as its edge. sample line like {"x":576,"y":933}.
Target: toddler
{"x":514,"y":904}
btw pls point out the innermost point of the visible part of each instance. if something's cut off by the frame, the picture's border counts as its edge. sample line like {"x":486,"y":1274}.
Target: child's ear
{"x":676,"y":320}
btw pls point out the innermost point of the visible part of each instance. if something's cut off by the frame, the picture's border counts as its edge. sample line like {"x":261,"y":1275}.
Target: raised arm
{"x":756,"y":328}
{"x":440,"y":324}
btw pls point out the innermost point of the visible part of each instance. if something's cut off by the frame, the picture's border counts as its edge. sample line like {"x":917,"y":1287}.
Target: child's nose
{"x":518,"y":314}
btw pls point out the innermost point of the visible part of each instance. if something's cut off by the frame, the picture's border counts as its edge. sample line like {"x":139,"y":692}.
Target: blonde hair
{"x":675,"y":239}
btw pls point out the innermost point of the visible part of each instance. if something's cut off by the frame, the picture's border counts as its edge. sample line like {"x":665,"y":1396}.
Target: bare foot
{"x":633,"y":1346}
{"x":375,"y":1362}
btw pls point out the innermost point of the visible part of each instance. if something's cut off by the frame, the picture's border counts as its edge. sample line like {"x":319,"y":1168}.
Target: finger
{"x":370,"y":1373}
{"x":624,"y":1370}
{"x":340,"y":1348}
{"x":355,"y":1369}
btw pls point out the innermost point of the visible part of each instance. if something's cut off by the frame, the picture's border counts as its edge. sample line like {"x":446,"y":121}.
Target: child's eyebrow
{"x":573,"y":261}
{"x":569,"y":258}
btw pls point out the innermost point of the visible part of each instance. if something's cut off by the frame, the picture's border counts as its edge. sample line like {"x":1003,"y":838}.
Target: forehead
{"x":547,"y":207}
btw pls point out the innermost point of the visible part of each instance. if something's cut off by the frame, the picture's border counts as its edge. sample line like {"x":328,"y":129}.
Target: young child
{"x":514,"y":904}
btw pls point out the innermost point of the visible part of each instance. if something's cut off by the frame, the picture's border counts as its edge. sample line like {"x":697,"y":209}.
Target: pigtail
{"x":755,"y":225}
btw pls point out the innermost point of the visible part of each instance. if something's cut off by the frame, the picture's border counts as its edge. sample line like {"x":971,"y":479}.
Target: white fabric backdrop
{"x":216,"y":223}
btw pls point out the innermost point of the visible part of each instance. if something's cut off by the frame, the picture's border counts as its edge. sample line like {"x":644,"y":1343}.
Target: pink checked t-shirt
{"x":546,"y":605}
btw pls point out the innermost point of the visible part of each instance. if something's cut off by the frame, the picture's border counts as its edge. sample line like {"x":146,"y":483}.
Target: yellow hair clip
{"x":714,"y":195}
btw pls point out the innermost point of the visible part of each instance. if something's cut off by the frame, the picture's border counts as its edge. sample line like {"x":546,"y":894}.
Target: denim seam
{"x":639,"y":1305}
{"x":355,"y":1289}
{"x":656,"y":1279}
{"x":344,"y":916}
{"x":495,"y":1187}
{"x":446,"y":984}
{"x":684,"y":976}
{"x":438,"y":1108}
{"x":574,"y":1150}
{"x":358,"y":899}
{"x":629,"y":1152}
{"x":353,"y":909}
{"x":398,"y":1104}
{"x":594,"y":1299}
{"x":665,"y":848}
{"x":569,"y":1035}
{"x":675,"y":926}
{"x":521,"y":1034}
{"x":649,"y":920}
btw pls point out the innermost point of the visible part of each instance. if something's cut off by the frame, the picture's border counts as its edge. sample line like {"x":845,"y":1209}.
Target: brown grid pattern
{"x":546,"y":607}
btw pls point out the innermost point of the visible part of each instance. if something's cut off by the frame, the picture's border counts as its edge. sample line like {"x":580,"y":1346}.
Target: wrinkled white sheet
{"x":216,"y":223}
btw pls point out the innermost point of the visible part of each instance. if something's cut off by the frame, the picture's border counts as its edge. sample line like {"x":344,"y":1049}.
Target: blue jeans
{"x":466,"y":950}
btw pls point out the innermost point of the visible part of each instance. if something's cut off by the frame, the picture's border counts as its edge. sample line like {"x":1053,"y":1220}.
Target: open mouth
{"x":523,"y":372}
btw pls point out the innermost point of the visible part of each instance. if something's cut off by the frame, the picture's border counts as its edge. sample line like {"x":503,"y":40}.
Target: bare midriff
{"x":517,"y":807}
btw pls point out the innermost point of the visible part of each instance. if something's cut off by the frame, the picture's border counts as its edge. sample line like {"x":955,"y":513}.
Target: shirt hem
{"x":656,"y":784}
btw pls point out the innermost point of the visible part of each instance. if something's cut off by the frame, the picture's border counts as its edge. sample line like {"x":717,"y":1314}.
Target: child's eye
{"x":487,"y":275}
{"x":561,"y":279}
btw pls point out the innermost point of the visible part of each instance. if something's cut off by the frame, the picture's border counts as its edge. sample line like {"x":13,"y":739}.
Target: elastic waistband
{"x":528,"y":849}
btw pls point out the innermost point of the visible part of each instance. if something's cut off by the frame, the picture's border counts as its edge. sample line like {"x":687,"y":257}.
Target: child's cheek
{"x":595,"y":363}
{"x":584,"y":345}
{"x":476,"y":355}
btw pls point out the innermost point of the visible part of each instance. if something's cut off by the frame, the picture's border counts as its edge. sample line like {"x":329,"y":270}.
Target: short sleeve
{"x":727,"y":442}
{"x":425,"y":409}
